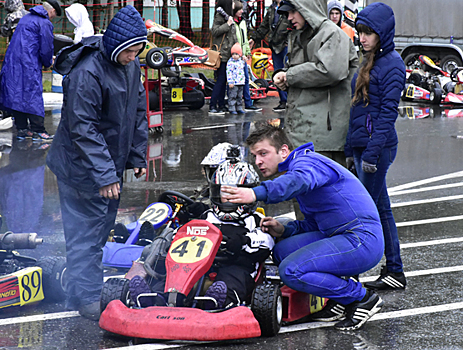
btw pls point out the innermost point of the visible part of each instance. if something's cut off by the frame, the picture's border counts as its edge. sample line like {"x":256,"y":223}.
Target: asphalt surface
{"x":425,"y":183}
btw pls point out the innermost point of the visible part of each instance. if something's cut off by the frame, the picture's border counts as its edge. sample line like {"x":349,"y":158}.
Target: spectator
{"x":16,"y":11}
{"x":371,"y":142}
{"x":242,"y":37}
{"x":224,"y":37}
{"x":77,"y":14}
{"x":31,"y":47}
{"x":339,"y":236}
{"x":235,"y":79}
{"x":276,"y":27}
{"x":317,"y":77}
{"x":335,"y":15}
{"x":103,"y":131}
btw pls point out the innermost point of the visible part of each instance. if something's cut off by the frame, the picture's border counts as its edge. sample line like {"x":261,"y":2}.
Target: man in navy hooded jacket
{"x":341,"y":232}
{"x":103,"y":131}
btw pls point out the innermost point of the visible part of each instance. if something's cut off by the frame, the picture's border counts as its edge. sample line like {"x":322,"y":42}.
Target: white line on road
{"x":425,"y":189}
{"x":212,"y":127}
{"x":425,"y":181}
{"x":426,"y":201}
{"x":433,"y":242}
{"x":35,"y":318}
{"x":420,"y":272}
{"x":429,"y":221}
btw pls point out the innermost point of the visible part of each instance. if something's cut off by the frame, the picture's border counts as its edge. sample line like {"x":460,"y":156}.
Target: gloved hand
{"x":234,"y":243}
{"x":368,"y":168}
{"x":350,"y":163}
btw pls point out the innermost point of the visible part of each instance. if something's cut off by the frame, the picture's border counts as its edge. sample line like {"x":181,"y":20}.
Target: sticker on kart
{"x":21,"y":287}
{"x":156,"y":213}
{"x":188,"y":250}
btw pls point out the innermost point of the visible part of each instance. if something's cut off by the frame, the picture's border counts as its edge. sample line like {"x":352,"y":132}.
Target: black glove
{"x":368,"y":168}
{"x":234,"y":243}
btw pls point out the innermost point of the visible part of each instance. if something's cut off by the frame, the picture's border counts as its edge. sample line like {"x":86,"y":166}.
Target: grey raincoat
{"x":321,"y":63}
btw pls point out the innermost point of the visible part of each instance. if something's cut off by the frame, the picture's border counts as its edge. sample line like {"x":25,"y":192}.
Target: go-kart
{"x":24,"y":280}
{"x":126,"y":243}
{"x":185,"y":262}
{"x":433,"y":84}
{"x":176,"y":91}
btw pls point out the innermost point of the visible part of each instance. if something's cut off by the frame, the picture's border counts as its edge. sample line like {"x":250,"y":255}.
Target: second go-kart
{"x":23,"y":279}
{"x":184,"y":264}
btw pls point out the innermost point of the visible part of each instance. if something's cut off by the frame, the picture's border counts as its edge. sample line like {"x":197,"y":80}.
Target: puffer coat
{"x":372,"y":126}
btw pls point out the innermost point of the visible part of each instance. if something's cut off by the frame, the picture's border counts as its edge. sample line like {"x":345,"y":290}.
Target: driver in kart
{"x":245,"y":246}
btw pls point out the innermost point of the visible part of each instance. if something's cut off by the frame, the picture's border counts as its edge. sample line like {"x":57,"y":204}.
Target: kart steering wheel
{"x":259,"y":64}
{"x":174,"y":197}
{"x":454,"y":74}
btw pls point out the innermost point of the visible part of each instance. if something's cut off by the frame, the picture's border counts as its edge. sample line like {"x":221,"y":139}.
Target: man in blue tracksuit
{"x":103,"y":131}
{"x":340,"y":236}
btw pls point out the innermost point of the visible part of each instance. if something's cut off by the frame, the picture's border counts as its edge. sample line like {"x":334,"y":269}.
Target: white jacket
{"x":78,"y":16}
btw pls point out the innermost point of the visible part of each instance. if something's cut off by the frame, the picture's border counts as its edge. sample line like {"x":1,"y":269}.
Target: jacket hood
{"x":39,"y":11}
{"x":313,"y":11}
{"x":77,"y":14}
{"x":380,"y":18}
{"x":125,"y":30}
{"x":283,"y":166}
{"x":69,"y":56}
{"x":335,"y":4}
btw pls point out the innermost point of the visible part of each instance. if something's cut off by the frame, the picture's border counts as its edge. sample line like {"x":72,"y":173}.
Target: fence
{"x":191,"y":18}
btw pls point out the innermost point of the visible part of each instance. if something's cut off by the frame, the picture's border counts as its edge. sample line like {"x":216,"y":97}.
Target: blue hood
{"x":125,"y":29}
{"x":380,"y":18}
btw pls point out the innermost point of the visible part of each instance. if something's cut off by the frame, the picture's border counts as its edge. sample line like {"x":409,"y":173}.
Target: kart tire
{"x":267,"y":306}
{"x":411,"y":61}
{"x":435,"y":96}
{"x":153,"y":101}
{"x":156,"y":58}
{"x":450,"y":62}
{"x":415,"y":79}
{"x":262,"y":83}
{"x":53,"y":277}
{"x":115,"y":289}
{"x":199,"y":100}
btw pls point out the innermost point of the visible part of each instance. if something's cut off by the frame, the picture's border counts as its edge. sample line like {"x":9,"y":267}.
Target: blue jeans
{"x":279,"y":60}
{"x":375,"y":183}
{"x":246,"y":93}
{"x":313,"y":263}
{"x":220,"y":87}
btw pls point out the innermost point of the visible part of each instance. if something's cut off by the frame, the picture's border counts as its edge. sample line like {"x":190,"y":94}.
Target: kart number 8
{"x":188,"y":250}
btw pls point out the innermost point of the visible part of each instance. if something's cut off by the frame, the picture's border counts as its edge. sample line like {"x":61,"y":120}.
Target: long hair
{"x":227,"y":6}
{"x":363,"y":79}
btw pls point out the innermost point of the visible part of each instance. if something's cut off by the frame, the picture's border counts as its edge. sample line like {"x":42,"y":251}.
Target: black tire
{"x":267,"y":306}
{"x":199,"y":103}
{"x":156,"y":58}
{"x":415,"y":79}
{"x":53,"y":277}
{"x":262,"y":83}
{"x":450,"y":63}
{"x":115,"y":289}
{"x":435,"y":96}
{"x":153,"y":101}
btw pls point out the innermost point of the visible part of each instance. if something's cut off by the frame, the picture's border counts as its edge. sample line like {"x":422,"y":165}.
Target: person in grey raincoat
{"x":77,"y":14}
{"x":21,"y":89}
{"x":321,"y":63}
{"x":103,"y":131}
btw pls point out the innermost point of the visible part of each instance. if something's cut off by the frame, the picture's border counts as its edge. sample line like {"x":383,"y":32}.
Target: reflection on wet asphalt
{"x":429,"y":146}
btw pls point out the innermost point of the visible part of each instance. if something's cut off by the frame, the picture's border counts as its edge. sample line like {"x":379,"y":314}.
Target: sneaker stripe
{"x":391,"y":281}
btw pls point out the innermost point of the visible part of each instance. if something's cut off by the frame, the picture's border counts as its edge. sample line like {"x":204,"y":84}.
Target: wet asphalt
{"x":425,"y":183}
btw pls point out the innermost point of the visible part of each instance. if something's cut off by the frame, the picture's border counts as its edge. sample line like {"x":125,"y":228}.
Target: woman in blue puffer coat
{"x":371,"y":143}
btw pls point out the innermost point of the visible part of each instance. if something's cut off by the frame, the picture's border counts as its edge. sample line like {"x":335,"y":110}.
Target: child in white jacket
{"x":236,"y":80}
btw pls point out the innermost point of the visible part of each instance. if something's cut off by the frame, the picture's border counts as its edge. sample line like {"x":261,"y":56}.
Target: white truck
{"x":429,"y":27}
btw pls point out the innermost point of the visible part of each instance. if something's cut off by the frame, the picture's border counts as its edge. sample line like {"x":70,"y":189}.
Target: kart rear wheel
{"x":435,"y":96}
{"x":156,"y":58}
{"x":412,"y":61}
{"x":115,"y":289}
{"x":262,"y":83}
{"x":53,"y":277}
{"x":267,"y":306}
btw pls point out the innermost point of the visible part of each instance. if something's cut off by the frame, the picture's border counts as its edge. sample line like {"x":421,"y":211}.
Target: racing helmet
{"x":234,"y":173}
{"x":217,"y":155}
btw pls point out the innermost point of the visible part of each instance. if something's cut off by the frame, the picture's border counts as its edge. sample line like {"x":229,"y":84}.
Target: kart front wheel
{"x":53,"y":277}
{"x":435,"y":96}
{"x":115,"y":289}
{"x":156,"y":58}
{"x":267,"y":306}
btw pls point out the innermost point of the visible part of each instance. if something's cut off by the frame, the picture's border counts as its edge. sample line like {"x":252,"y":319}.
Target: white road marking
{"x":425,"y":189}
{"x":35,"y":318}
{"x":433,"y":242}
{"x":420,"y":272}
{"x":429,"y":221}
{"x":426,"y":201}
{"x":425,"y":181}
{"x":212,"y":127}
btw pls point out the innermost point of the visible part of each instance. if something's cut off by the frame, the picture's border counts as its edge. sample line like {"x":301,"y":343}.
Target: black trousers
{"x":238,"y":279}
{"x":28,"y":121}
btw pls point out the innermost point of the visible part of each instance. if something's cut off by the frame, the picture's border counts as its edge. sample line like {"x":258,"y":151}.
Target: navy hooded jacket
{"x":31,"y":47}
{"x":103,"y":128}
{"x":372,"y":127}
{"x":331,"y":198}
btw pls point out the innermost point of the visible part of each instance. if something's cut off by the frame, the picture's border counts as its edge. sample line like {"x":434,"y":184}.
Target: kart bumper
{"x":178,"y":323}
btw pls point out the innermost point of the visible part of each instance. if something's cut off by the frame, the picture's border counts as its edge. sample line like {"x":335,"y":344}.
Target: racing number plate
{"x":21,"y":287}
{"x":188,"y":250}
{"x":157,"y":214}
{"x":410,"y":93}
{"x":177,"y":95}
